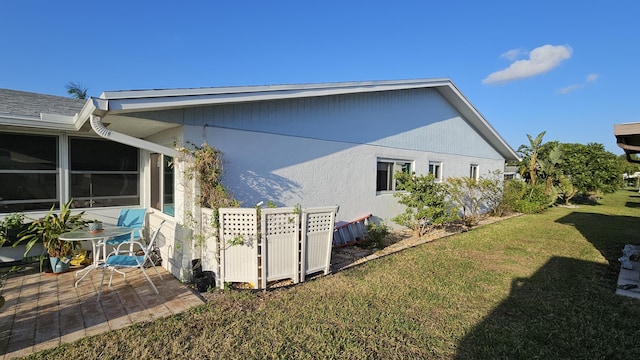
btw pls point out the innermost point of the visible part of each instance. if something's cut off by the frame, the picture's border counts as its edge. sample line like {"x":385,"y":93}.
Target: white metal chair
{"x":133,"y":218}
{"x":125,"y":258}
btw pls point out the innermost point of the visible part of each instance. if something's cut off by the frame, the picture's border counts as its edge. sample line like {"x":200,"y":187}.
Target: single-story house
{"x":309,"y":145}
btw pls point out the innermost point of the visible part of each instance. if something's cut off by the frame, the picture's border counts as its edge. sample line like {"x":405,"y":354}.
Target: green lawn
{"x":534,"y":286}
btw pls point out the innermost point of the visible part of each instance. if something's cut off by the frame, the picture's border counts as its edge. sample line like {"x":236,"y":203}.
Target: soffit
{"x":132,"y":126}
{"x":628,"y":137}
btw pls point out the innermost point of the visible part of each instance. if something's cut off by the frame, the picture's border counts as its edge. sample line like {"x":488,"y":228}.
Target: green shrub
{"x":524,"y":198}
{"x":427,"y":203}
{"x":476,"y":198}
{"x":376,"y":235}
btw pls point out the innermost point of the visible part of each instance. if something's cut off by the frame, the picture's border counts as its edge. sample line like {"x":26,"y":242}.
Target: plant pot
{"x":196,"y":267}
{"x":205,"y":281}
{"x":59,"y":265}
{"x":95,"y":226}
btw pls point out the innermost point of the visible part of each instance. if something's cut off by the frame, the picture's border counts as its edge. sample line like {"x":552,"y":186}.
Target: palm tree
{"x":77,"y":90}
{"x":532,"y":165}
{"x":551,"y":167}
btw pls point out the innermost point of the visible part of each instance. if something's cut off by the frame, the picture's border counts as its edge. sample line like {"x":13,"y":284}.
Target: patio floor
{"x":45,"y":310}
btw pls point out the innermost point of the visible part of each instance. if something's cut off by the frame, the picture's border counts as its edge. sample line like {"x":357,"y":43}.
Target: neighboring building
{"x":628,"y":138}
{"x":511,"y":172}
{"x":311,"y":144}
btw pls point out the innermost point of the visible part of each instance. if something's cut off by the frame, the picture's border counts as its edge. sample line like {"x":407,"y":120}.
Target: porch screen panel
{"x":162,"y":189}
{"x":103,"y":173}
{"x":28,"y":172}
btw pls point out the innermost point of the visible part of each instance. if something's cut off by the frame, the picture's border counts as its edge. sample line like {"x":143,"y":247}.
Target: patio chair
{"x":133,"y":218}
{"x":125,"y":258}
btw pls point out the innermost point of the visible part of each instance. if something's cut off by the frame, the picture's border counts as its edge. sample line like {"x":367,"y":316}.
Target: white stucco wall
{"x":324,"y":150}
{"x":292,"y":170}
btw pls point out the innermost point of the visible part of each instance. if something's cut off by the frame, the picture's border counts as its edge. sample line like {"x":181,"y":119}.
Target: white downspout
{"x":98,"y":127}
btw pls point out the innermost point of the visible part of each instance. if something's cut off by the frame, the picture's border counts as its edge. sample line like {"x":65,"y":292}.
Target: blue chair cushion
{"x":133,"y":218}
{"x":125,"y":260}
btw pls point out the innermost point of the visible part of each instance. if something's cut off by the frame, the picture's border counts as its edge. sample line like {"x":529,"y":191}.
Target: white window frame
{"x":474,"y":171}
{"x":158,"y":186}
{"x":435,"y":168}
{"x":396,"y":165}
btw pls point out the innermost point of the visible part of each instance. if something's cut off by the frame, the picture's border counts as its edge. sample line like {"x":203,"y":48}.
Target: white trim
{"x":396,"y":163}
{"x":63,"y":163}
{"x":475,"y":176}
{"x":102,"y":131}
{"x":292,"y":89}
{"x":141,"y":100}
{"x":439,"y":174}
{"x":45,"y":121}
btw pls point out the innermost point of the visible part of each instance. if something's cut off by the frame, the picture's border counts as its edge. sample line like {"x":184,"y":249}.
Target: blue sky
{"x":569,"y":68}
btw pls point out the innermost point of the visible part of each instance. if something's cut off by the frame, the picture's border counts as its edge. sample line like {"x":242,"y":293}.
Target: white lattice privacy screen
{"x":317,"y":231}
{"x":292,"y":243}
{"x":238,"y":245}
{"x":280,"y":230}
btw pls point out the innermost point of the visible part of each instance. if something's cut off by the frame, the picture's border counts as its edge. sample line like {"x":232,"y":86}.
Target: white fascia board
{"x":93,"y":106}
{"x":462,"y":104}
{"x":44,"y":121}
{"x":335,"y":87}
{"x":166,"y":99}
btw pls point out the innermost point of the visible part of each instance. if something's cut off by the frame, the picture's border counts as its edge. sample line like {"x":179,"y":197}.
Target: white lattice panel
{"x":280,"y":243}
{"x":317,"y":230}
{"x":320,"y":222}
{"x":239,"y":262}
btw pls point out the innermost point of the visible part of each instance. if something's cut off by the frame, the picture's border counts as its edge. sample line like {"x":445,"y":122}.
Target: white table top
{"x":108,"y":231}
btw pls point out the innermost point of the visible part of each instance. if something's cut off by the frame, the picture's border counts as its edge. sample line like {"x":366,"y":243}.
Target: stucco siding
{"x":293,"y":170}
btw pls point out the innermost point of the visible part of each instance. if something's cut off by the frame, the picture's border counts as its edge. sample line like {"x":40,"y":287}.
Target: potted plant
{"x":10,"y":227}
{"x":95,"y":226}
{"x":48,"y":229}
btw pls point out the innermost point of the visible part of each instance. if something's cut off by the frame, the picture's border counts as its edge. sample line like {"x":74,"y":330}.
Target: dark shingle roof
{"x":24,"y":103}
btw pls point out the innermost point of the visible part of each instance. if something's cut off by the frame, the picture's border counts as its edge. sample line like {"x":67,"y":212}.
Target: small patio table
{"x":95,"y":237}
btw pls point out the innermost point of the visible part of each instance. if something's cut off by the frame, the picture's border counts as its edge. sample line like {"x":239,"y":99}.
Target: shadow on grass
{"x":565,"y":310}
{"x":568,"y":307}
{"x":608,"y":233}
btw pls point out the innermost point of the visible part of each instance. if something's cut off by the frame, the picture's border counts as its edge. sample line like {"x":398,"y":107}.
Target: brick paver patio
{"x":45,"y":310}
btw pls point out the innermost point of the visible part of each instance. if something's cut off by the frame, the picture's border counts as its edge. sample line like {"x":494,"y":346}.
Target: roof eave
{"x":464,"y":106}
{"x":628,"y":137}
{"x":144,"y":100}
{"x":44,"y":121}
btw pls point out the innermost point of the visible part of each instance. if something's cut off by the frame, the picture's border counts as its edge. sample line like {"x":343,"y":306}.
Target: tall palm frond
{"x":77,"y":90}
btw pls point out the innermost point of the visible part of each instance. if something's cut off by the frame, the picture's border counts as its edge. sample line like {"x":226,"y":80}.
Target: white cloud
{"x":591,"y":78}
{"x":513,"y":54}
{"x":570,"y":88}
{"x":541,"y":60}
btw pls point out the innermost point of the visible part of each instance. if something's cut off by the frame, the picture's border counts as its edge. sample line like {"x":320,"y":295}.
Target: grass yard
{"x":530,"y":287}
